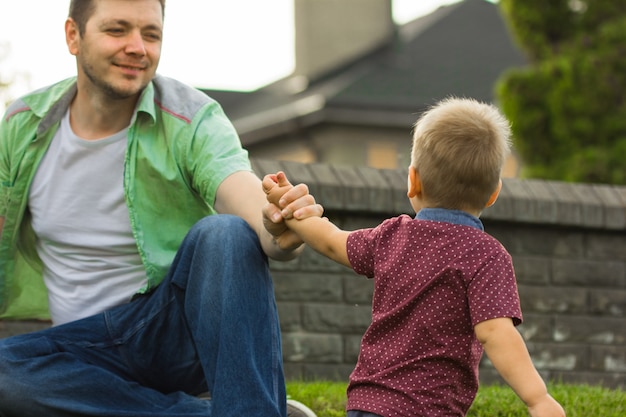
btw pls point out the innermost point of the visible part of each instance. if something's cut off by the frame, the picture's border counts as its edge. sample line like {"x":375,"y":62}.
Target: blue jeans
{"x":212,"y":325}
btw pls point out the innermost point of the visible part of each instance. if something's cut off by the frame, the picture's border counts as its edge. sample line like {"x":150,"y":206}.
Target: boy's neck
{"x":450,"y":216}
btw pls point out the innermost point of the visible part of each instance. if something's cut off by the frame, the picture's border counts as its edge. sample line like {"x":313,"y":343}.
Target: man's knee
{"x":225,"y":233}
{"x":222,"y":223}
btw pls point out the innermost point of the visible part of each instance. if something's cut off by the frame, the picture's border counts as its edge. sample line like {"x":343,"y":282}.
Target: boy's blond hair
{"x":459,"y":148}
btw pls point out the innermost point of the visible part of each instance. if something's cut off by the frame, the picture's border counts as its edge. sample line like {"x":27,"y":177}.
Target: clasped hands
{"x":286,"y":201}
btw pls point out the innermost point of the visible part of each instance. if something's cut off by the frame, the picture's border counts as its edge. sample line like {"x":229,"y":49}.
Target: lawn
{"x":328,"y":399}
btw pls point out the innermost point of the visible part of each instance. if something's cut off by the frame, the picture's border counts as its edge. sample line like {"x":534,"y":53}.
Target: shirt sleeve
{"x":6,"y":181}
{"x":492,"y":293}
{"x":361,"y":247}
{"x":364,"y":245}
{"x":215,"y":152}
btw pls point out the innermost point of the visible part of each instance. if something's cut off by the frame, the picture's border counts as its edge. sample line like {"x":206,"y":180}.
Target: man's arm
{"x":241,"y":194}
{"x":320,"y":234}
{"x":507,"y":351}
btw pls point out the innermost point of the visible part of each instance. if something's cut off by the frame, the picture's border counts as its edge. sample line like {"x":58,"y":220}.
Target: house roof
{"x":460,"y":49}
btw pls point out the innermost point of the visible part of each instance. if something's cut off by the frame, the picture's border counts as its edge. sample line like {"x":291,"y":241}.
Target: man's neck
{"x":94,"y":118}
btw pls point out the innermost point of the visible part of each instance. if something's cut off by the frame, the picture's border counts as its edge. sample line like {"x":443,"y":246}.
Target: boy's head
{"x":459,"y":148}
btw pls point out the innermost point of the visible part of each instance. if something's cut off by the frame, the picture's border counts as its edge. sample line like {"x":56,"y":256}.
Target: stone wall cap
{"x":383,"y":192}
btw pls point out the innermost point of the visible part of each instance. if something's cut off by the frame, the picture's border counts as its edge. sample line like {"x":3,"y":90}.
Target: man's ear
{"x":72,"y":36}
{"x":414,"y":183}
{"x":494,"y":195}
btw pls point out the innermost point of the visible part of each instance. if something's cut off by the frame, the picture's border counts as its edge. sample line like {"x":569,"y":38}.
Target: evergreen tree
{"x":568,"y":109}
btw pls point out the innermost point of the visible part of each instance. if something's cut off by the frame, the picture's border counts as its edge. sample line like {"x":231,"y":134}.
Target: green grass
{"x":328,"y":399}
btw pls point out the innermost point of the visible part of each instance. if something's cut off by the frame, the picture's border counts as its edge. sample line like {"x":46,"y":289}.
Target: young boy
{"x":444,"y":290}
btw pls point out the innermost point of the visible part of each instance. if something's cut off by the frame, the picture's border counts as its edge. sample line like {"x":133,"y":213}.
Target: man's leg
{"x":78,"y":369}
{"x":213,"y":316}
{"x":221,"y":277}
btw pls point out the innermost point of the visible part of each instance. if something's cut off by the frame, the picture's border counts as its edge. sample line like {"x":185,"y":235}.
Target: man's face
{"x":120,"y":50}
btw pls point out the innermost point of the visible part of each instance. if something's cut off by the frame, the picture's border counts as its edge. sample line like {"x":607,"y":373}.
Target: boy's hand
{"x":287,"y":201}
{"x":547,"y":407}
{"x":275,"y":186}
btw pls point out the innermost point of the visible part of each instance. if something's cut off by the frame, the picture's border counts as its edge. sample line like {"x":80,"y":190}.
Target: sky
{"x":239,"y":44}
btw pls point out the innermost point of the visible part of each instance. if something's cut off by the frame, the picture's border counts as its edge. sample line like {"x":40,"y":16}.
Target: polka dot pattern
{"x":433,"y":281}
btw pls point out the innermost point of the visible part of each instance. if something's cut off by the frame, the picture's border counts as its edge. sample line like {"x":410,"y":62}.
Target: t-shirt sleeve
{"x":492,"y":293}
{"x":361,"y":250}
{"x":365,"y":246}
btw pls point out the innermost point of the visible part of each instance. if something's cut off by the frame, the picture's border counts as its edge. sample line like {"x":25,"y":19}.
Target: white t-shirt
{"x":91,"y":261}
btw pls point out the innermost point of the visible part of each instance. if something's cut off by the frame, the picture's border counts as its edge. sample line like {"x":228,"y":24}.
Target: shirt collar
{"x":450,"y":216}
{"x":53,"y":113}
{"x":147,"y":103}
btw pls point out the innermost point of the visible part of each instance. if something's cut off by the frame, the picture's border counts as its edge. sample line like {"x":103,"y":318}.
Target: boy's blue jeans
{"x":212,"y":325}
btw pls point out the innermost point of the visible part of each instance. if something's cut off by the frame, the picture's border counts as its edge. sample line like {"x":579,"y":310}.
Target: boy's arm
{"x":323,"y":236}
{"x":319,"y":233}
{"x":507,"y":351}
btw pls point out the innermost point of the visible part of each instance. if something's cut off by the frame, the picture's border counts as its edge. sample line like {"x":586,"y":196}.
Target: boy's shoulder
{"x":409,"y":228}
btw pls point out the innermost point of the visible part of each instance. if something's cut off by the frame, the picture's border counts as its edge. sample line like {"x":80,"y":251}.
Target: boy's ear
{"x":494,"y":195}
{"x":415,"y":183}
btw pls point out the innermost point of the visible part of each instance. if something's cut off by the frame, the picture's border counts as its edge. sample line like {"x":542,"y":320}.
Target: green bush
{"x":568,"y":107}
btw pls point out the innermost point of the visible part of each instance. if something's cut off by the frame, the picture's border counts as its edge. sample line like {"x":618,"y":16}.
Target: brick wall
{"x":568,"y":243}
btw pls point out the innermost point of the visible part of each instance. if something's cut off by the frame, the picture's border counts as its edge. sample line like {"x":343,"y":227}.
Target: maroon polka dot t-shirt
{"x":433,"y":282}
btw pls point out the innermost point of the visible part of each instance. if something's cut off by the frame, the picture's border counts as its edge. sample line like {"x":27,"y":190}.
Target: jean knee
{"x":221,"y":223}
{"x":227,"y":234}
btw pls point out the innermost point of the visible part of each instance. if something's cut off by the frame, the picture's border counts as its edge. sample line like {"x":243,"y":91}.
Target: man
{"x":110,"y":186}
